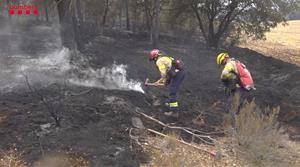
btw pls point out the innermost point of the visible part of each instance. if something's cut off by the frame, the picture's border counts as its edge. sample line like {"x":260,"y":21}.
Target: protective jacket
{"x":235,"y":75}
{"x":229,"y":75}
{"x":164,"y":64}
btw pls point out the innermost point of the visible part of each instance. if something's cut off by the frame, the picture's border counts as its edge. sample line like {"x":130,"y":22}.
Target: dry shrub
{"x":12,"y":158}
{"x":63,"y":159}
{"x":168,"y":152}
{"x":167,"y":155}
{"x":257,"y":137}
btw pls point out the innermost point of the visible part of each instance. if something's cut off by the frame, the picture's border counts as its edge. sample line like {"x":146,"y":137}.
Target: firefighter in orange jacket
{"x":170,"y":75}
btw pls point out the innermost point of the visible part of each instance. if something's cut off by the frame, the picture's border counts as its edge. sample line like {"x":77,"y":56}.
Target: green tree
{"x":252,"y":17}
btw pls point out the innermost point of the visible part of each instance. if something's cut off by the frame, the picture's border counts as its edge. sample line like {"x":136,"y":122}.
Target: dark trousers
{"x":242,"y":93}
{"x":174,"y":85}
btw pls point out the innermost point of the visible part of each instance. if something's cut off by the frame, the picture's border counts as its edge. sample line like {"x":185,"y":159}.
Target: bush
{"x":257,"y":137}
{"x":168,"y":155}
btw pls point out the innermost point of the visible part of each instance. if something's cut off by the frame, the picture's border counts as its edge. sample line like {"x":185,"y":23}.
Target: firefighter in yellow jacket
{"x":229,"y":73}
{"x":231,"y":80}
{"x":172,"y":75}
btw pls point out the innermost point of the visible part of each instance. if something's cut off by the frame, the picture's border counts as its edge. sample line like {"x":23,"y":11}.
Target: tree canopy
{"x":214,"y":21}
{"x":229,"y":18}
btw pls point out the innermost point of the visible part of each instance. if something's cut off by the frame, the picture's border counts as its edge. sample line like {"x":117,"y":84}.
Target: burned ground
{"x":96,"y":122}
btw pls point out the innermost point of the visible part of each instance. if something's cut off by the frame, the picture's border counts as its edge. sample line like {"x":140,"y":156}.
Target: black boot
{"x":172,"y":112}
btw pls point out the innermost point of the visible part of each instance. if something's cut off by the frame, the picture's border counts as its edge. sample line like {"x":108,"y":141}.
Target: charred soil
{"x":95,"y":123}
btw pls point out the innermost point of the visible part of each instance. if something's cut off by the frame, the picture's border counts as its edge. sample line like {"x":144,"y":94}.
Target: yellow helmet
{"x":221,"y":57}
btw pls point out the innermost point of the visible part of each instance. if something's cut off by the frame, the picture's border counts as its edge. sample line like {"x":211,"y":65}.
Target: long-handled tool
{"x":147,"y":83}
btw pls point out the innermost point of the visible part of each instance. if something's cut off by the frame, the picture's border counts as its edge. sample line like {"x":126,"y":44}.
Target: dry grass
{"x":167,"y":152}
{"x":63,"y":159}
{"x":287,"y":35}
{"x":283,"y":42}
{"x":258,"y":140}
{"x":13,"y":158}
{"x":253,"y":139}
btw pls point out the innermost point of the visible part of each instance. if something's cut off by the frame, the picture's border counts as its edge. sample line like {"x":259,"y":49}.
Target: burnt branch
{"x":193,"y":132}
{"x":49,"y":105}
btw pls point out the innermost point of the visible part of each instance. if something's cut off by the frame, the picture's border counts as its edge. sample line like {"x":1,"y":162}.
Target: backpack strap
{"x":235,"y":72}
{"x":233,"y":63}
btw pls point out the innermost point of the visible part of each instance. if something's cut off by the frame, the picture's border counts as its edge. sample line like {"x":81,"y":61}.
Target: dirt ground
{"x":96,"y":123}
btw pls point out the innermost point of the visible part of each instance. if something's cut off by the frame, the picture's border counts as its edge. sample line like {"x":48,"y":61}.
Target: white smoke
{"x":56,"y":66}
{"x":55,"y":61}
{"x":45,"y":62}
{"x":113,"y":77}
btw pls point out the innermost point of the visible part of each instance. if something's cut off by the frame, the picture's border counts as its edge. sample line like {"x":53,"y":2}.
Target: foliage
{"x":253,"y":17}
{"x":217,"y":20}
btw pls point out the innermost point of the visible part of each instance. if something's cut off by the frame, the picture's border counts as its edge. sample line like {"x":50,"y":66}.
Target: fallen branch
{"x":41,"y":147}
{"x":82,"y":93}
{"x":190,"y":131}
{"x":50,"y":108}
{"x":135,"y":138}
{"x":214,"y":154}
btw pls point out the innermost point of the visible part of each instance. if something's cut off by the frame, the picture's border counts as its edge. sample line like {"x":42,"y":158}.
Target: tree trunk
{"x":79,"y":12}
{"x":200,"y":22}
{"x":120,"y":14}
{"x":127,"y":14}
{"x":135,"y":17}
{"x":106,"y":9}
{"x":156,"y":26}
{"x":213,"y":41}
{"x":147,"y":15}
{"x":77,"y":21}
{"x":46,"y":11}
{"x":7,"y":4}
{"x":120,"y":19}
{"x":151,"y":36}
{"x":66,"y":24}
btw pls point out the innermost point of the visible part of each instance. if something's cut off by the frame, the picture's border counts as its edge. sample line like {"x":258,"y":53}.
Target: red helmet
{"x":154,"y":54}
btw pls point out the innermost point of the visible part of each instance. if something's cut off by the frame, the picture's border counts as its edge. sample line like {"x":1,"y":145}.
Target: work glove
{"x":230,"y":83}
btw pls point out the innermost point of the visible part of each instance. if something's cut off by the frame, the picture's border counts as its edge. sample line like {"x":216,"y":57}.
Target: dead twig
{"x":214,"y":154}
{"x":133,"y":137}
{"x":82,"y":93}
{"x":51,"y":110}
{"x":41,"y":147}
{"x":205,"y":138}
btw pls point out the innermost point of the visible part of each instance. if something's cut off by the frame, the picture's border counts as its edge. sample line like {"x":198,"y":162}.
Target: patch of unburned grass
{"x":12,"y":158}
{"x":63,"y":159}
{"x":283,"y":42}
{"x":168,"y":152}
{"x":287,"y":35}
